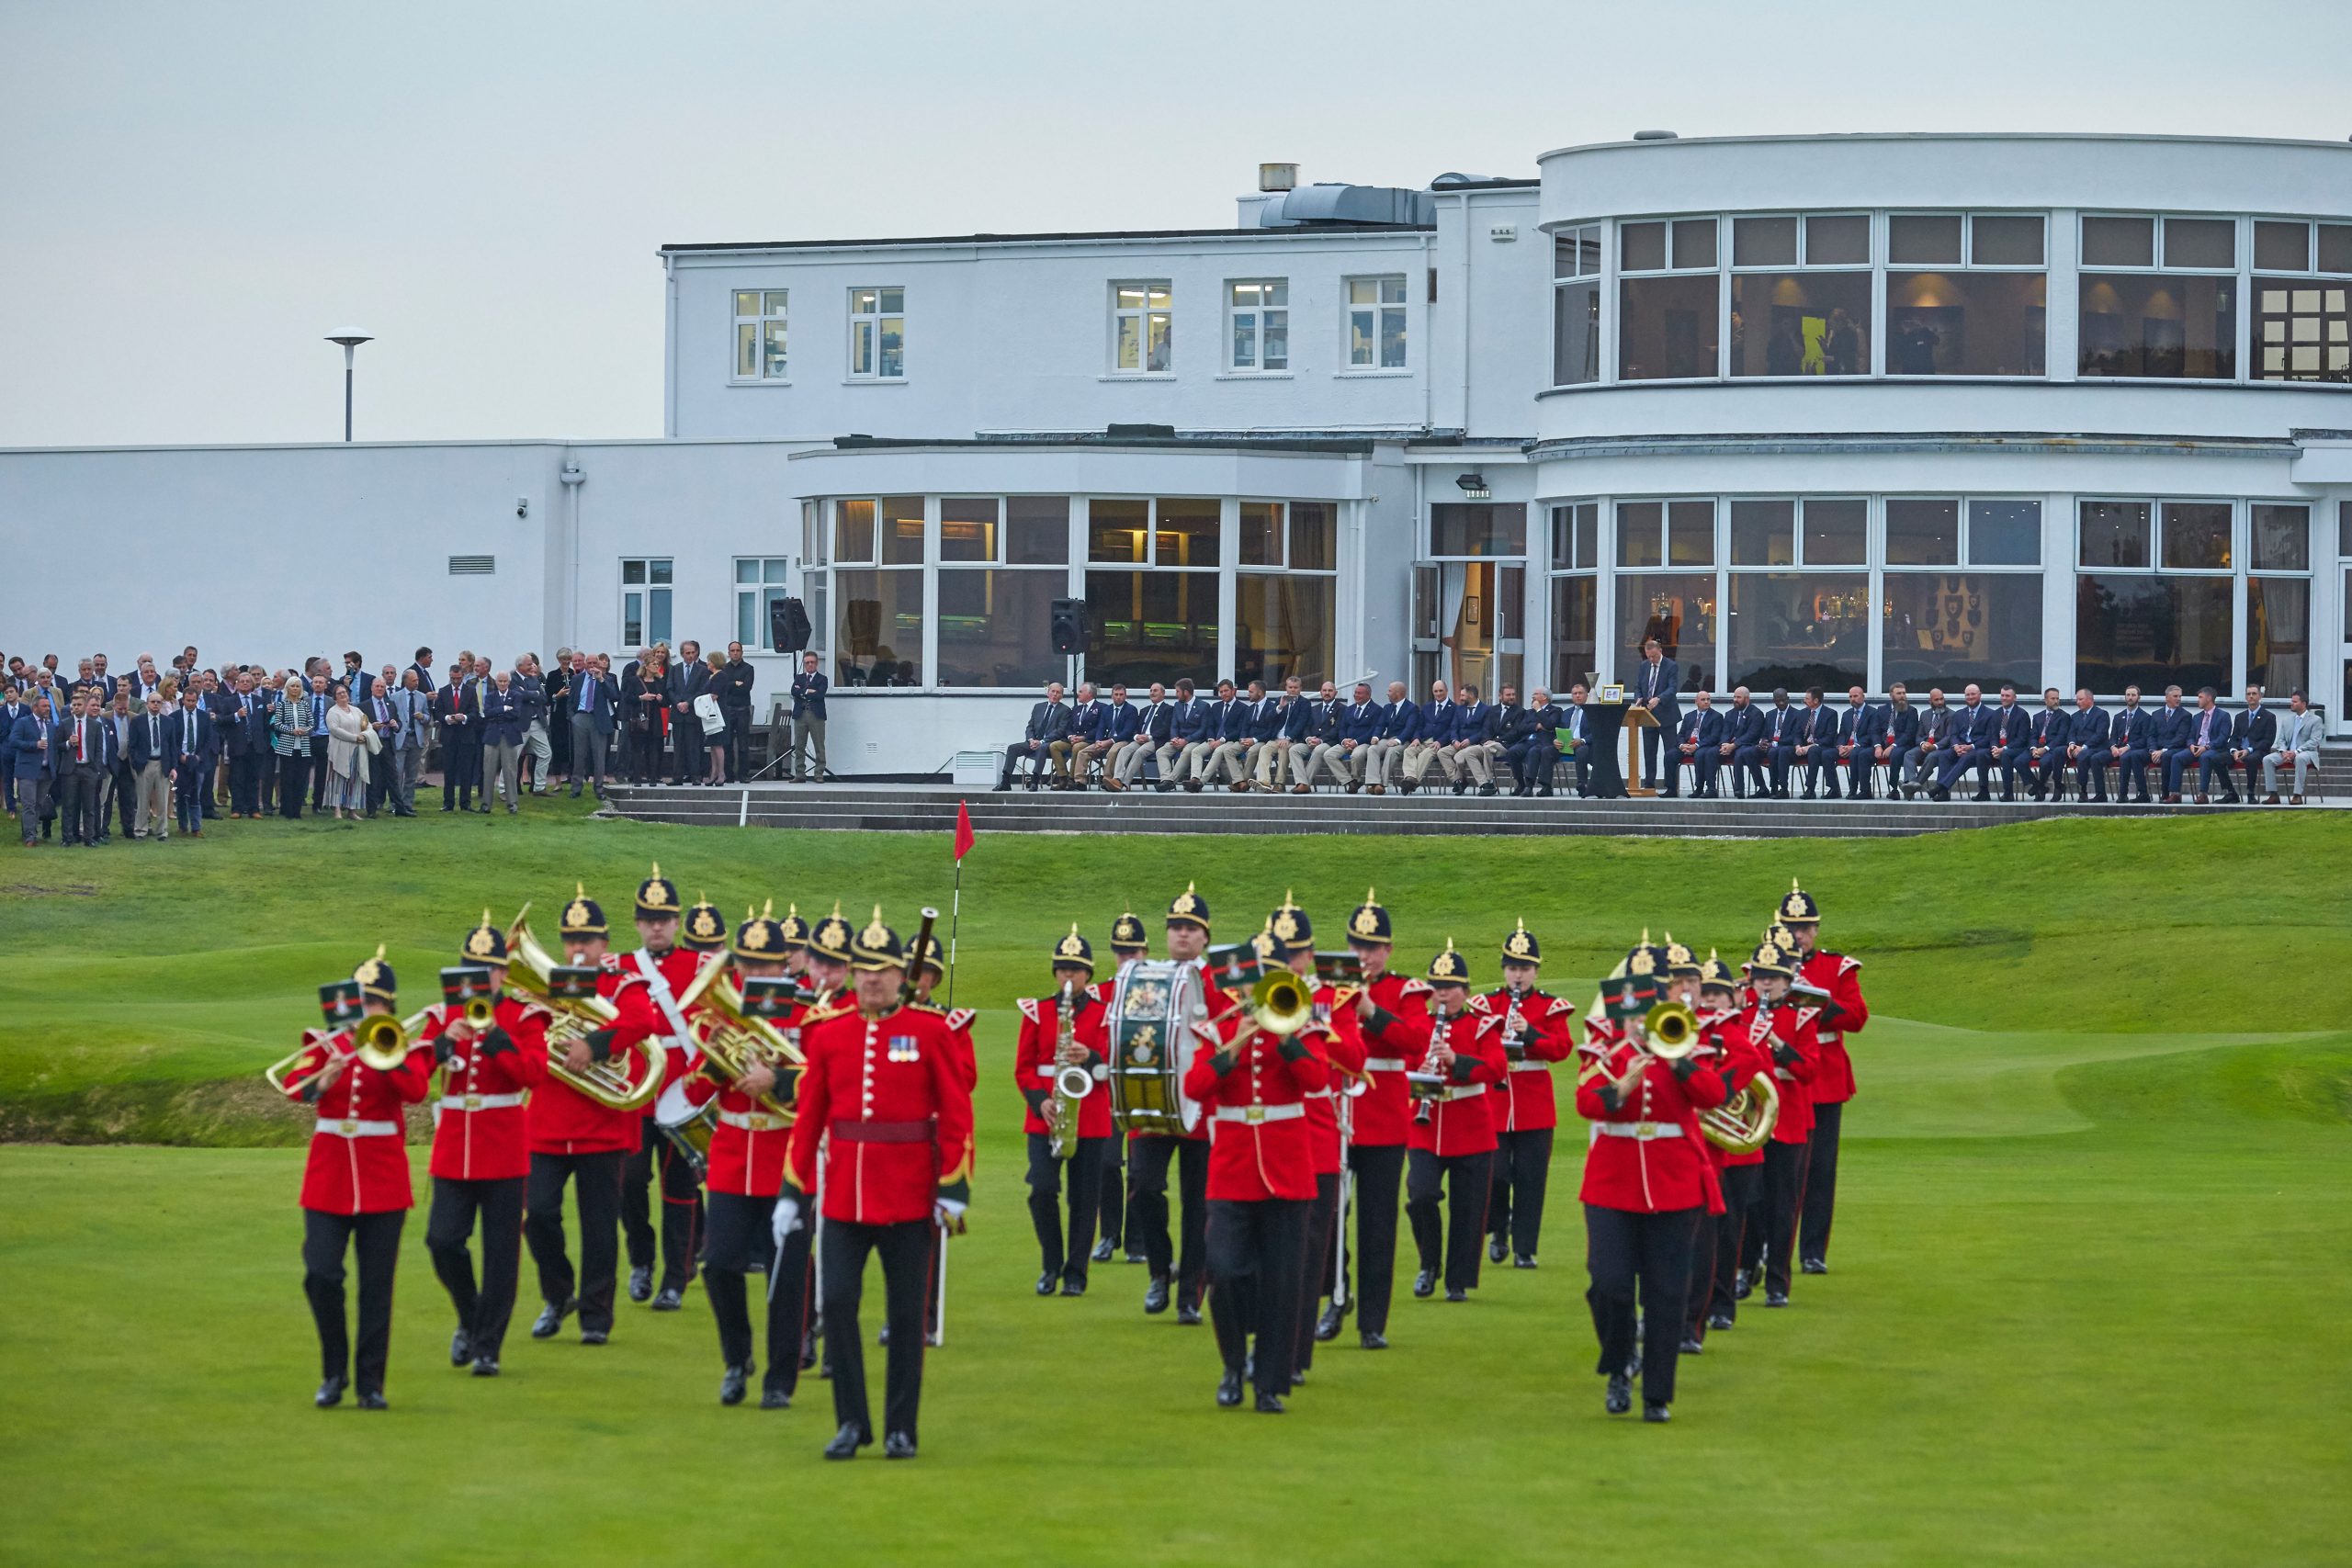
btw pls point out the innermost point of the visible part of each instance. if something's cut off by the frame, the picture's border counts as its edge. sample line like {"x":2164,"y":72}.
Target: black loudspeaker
{"x":1069,"y":626}
{"x":788,"y":624}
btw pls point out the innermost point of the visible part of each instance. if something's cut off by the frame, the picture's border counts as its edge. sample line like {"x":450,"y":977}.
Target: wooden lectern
{"x":1637,"y":718}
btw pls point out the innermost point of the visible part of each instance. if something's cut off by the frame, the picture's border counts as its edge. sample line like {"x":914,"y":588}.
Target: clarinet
{"x":1428,"y":1107}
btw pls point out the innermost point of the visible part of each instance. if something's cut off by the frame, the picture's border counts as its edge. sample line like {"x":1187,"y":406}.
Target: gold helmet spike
{"x":767,"y":911}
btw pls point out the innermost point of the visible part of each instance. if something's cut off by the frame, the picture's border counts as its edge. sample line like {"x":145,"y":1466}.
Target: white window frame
{"x":1378,"y":309}
{"x":1882,"y":302}
{"x":1261,"y":313}
{"x":1870,"y":265}
{"x":771,"y":574}
{"x":645,"y":591}
{"x":867,"y":327}
{"x":769,"y":318}
{"x":1141,"y":315}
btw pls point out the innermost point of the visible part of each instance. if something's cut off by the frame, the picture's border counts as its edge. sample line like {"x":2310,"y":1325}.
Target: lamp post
{"x":349,"y":342}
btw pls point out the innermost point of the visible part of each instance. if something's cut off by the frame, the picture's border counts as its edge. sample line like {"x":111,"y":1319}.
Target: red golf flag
{"x":963,"y":829}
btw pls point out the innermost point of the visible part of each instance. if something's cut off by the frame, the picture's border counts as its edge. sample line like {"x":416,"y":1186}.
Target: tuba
{"x":736,"y":1042}
{"x":379,"y":1040}
{"x":1743,"y":1123}
{"x":623,"y":1083}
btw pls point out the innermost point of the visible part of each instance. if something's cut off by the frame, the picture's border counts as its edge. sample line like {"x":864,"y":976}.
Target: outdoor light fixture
{"x":350,"y":341}
{"x":1474,"y":486}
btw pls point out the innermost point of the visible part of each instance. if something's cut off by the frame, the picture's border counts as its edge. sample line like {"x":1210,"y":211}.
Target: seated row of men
{"x":1269,"y":741}
{"x":1929,"y":749}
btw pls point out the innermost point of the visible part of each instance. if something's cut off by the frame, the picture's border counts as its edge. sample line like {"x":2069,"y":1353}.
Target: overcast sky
{"x":193,"y":195}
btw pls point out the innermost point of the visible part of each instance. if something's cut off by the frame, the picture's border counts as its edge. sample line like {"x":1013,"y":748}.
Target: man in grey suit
{"x":2298,"y":743}
{"x":590,"y":707}
{"x":411,"y":725}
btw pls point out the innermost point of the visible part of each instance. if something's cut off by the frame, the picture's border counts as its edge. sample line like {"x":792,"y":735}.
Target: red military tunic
{"x":1737,"y":1062}
{"x":959,"y":1033}
{"x":749,"y":1144}
{"x":1525,"y":1103}
{"x":565,"y":1121}
{"x":887,"y":1097}
{"x":1647,"y":1154}
{"x":1396,"y":1039}
{"x":1259,"y":1146}
{"x":1847,"y":1013}
{"x":480,"y":1130}
{"x":1033,"y":1060}
{"x":358,"y":1162}
{"x":1463,"y":1122}
{"x":1768,"y":1029}
{"x":1341,"y":1042}
{"x":677,"y":969}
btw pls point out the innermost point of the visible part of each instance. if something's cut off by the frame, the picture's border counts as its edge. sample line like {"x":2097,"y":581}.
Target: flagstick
{"x":955,"y":918}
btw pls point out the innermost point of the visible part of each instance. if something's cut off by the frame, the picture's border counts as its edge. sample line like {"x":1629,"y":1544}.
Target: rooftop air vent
{"x":1655,"y":136}
{"x":1278,"y":176}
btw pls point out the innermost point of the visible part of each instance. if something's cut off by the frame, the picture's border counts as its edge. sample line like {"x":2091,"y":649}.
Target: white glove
{"x":949,"y":1210}
{"x":787,"y":1219}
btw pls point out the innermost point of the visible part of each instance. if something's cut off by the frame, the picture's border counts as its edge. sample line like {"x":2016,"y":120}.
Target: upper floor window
{"x":1375,"y":324}
{"x":2303,"y":330}
{"x":1790,"y":314}
{"x":1141,"y":321}
{"x":645,"y":601}
{"x":1576,"y":305}
{"x":1668,"y":324}
{"x":759,"y":334}
{"x":1966,"y":295}
{"x":759,"y":582}
{"x":878,"y":334}
{"x":1257,"y":323}
{"x":2159,"y":297}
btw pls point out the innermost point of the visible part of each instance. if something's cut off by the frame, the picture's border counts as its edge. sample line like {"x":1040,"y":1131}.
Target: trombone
{"x":1669,"y":1032}
{"x":378,"y":1041}
{"x":1279,"y":1004}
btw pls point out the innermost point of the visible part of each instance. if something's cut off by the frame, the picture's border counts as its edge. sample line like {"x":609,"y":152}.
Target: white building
{"x":2055,"y":410}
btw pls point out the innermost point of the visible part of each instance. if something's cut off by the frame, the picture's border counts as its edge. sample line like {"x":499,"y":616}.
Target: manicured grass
{"x":2091,"y":1245}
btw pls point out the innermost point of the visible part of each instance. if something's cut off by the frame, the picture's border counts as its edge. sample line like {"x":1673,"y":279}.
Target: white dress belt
{"x":480,"y":1101}
{"x":1644,"y":1132}
{"x":357,"y":1128}
{"x":754,"y":1120}
{"x":1384,"y":1064}
{"x":1466,"y":1091}
{"x":1529,"y":1066}
{"x":1256,"y":1113}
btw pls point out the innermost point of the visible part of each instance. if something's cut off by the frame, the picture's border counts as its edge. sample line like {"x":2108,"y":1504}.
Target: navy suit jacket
{"x":2170,"y":728}
{"x":154,"y":737}
{"x":1154,"y":721}
{"x":1361,"y":722}
{"x":2011,"y":726}
{"x":501,"y":715}
{"x":2215,"y":725}
{"x":27,"y":758}
{"x":1861,"y":727}
{"x":2050,"y":727}
{"x":2128,"y":727}
{"x":2086,"y":728}
{"x":1231,"y":720}
{"x":1402,"y":722}
{"x":1118,"y":722}
{"x":2256,"y":732}
{"x":1440,"y":723}
{"x":1660,"y":682}
{"x":809,"y":695}
{"x":1814,"y":727}
{"x":105,"y":746}
{"x":1701,"y":727}
{"x":1195,"y":720}
{"x":1899,"y":727}
{"x":197,"y":740}
{"x":1296,"y":722}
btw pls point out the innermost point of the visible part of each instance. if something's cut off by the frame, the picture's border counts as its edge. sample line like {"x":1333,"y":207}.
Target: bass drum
{"x":688,"y":1127}
{"x":1153,"y":1012}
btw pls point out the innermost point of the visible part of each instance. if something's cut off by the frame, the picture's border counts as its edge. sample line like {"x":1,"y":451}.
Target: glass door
{"x":1467,"y":625}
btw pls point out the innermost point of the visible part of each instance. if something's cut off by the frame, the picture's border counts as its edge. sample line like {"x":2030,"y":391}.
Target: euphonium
{"x":1073,"y":1082}
{"x":623,"y":1083}
{"x":737,"y":1042}
{"x":1743,"y":1125}
{"x":1671,"y":1030}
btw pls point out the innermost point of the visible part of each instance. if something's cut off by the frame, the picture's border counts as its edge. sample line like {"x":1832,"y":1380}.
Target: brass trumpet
{"x":1281,"y":1004}
{"x":736,"y":1041}
{"x":623,"y":1083}
{"x":1672,"y":1031}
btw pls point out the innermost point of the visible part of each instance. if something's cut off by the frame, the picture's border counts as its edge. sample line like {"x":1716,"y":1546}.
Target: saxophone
{"x":1073,"y":1082}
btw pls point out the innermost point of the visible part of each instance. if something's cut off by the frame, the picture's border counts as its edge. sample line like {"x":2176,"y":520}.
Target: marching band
{"x":795,"y":1086}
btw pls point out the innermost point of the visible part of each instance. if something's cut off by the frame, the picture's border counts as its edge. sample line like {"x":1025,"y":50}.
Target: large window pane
{"x":1690,"y":533}
{"x":1801,"y":323}
{"x":2151,"y":632}
{"x":1640,"y":538}
{"x":1763,"y":241}
{"x":1576,"y":641}
{"x":1837,"y":240}
{"x":1283,"y":627}
{"x":1118,"y":531}
{"x":1923,"y":238}
{"x":1836,"y":533}
{"x":1676,"y":608}
{"x":853,"y":532}
{"x":968,"y":528}
{"x":2282,"y":538}
{"x":1458,"y":529}
{"x":992,"y":627}
{"x":1666,"y":327}
{"x":1036,"y":530}
{"x":1576,"y":334}
{"x":1261,"y":533}
{"x":2119,"y":242}
{"x":2007,"y":242}
{"x":1965,"y":324}
{"x":878,"y":639}
{"x":1575,"y":537}
{"x":2282,"y":247}
{"x":1188,"y":528}
{"x":1798,"y":630}
{"x":1949,"y":628}
{"x":1763,"y":533}
{"x":1922,"y":533}
{"x":1313,"y":536}
{"x":2197,"y":536}
{"x":2208,"y":242}
{"x":1151,"y":626}
{"x":2278,"y":633}
{"x":2115,"y":533}
{"x":903,"y":530}
{"x":2182,"y":328}
{"x":2005,"y":533}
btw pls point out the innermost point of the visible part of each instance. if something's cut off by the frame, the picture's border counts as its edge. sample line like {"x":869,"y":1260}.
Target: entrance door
{"x":1466,"y":627}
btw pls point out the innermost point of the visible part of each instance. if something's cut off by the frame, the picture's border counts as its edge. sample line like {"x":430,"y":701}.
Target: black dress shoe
{"x":897,"y":1444}
{"x":1488,"y":789}
{"x":1620,"y":1398}
{"x":486,"y":1367}
{"x":846,"y":1442}
{"x":1188,"y":1314}
{"x":1103,"y":1250}
{"x":732,"y":1387}
{"x":1460,"y":788}
{"x":640,"y":1283}
{"x":1047,"y":1281}
{"x":1371,"y":1339}
{"x":1523,"y":1262}
{"x":372,"y":1399}
{"x":1495,"y":1249}
{"x":670,"y":1300}
{"x":1134,"y":1257}
{"x":1815,"y":1266}
{"x":1327,"y":1328}
{"x":775,"y":1396}
{"x":1073,"y":1285}
{"x":1154,"y":1295}
{"x":1776,"y":1298}
{"x":1425,"y":1282}
{"x":1269,"y":1404}
{"x":330,"y":1393}
{"x":1229,"y":1389}
{"x":461,"y":1348}
{"x":594,"y":1336}
{"x":1742,"y":1285}
{"x":1717,"y":1321}
{"x":551,"y":1319}
{"x":1692,"y":1347}
{"x":1456,"y":1293}
{"x":1655,"y":1412}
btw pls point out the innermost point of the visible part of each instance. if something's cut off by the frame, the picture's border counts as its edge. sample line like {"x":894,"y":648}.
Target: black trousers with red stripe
{"x":1318,"y":1261}
{"x":1639,"y":1260}
{"x":376,"y":1239}
{"x":1255,"y":1265}
{"x":1784,"y":1177}
{"x":483,"y":1313}
{"x":681,"y":1208}
{"x":906,"y":1255}
{"x":1522,"y":1171}
{"x":599,"y":1188}
{"x":1453,"y":1240}
{"x":742,"y":1239}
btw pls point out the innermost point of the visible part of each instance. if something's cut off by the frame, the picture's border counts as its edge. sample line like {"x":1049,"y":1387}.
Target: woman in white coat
{"x":348,"y":735}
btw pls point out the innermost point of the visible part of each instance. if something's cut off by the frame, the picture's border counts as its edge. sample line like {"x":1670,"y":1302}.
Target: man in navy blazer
{"x":1187,"y":712}
{"x":2087,"y":732}
{"x":154,"y":747}
{"x":2127,"y":748}
{"x":1109,"y":726}
{"x":1068,"y":755}
{"x":2012,"y":739}
{"x":1048,"y":722}
{"x":590,"y":710}
{"x":1777,"y":745}
{"x":85,"y":749}
{"x":1968,"y":744}
{"x":1699,"y":741}
{"x":2253,"y":735}
{"x":196,"y":747}
{"x":502,"y":742}
{"x":1899,"y":733}
{"x":1741,"y":748}
{"x":2168,"y":730}
{"x":1861,"y":726}
{"x":1154,"y":721}
{"x":32,"y":748}
{"x":1655,"y":685}
{"x":2207,"y":747}
{"x":2045,"y":748}
{"x":1269,"y":750}
{"x":1815,"y":745}
{"x":13,"y":706}
{"x":1400,"y":725}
